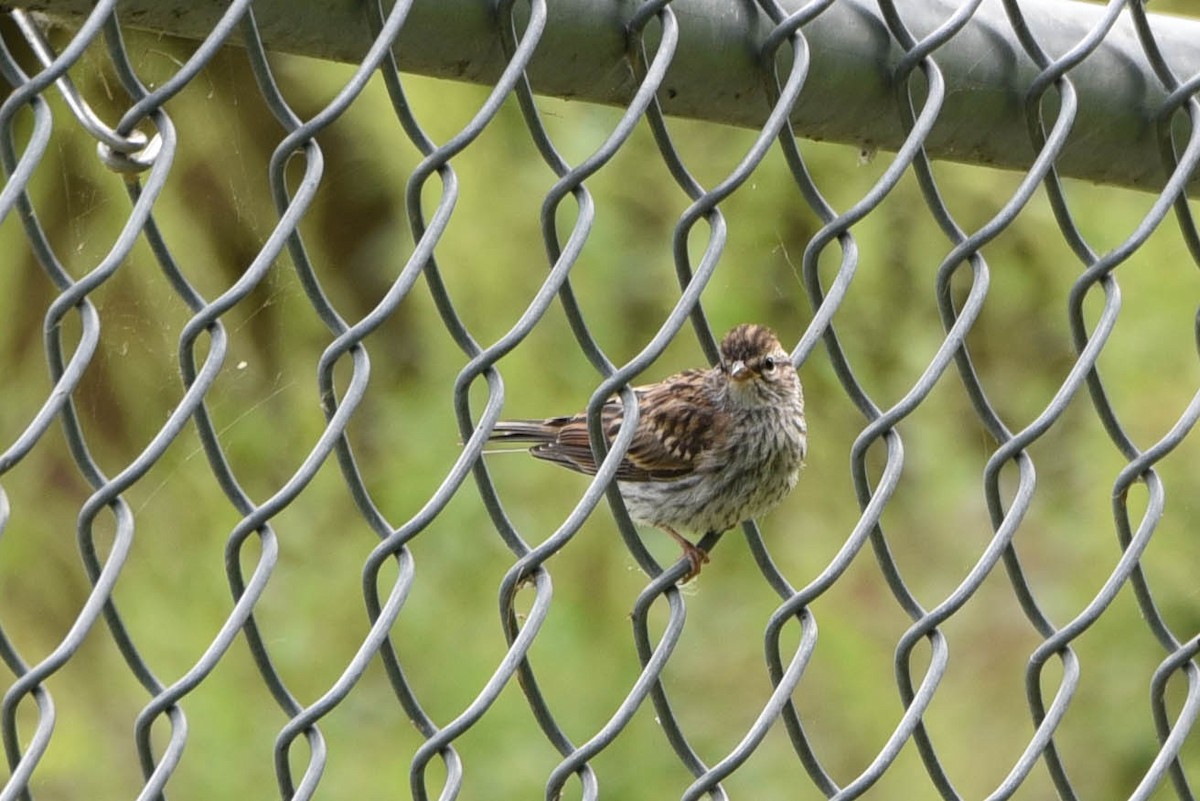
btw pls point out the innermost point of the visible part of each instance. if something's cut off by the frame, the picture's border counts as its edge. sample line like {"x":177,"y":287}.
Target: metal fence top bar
{"x":714,"y":75}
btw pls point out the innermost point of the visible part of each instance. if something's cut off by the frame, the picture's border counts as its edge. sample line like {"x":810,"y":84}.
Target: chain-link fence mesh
{"x":224,"y":520}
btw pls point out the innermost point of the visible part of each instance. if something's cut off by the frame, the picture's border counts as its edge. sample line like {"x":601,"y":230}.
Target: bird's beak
{"x":738,"y":371}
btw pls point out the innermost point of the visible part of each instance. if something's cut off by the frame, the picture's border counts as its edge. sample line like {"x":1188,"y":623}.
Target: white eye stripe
{"x":770,"y":363}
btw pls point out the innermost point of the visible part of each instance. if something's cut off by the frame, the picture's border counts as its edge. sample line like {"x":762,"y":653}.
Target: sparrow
{"x":712,"y":447}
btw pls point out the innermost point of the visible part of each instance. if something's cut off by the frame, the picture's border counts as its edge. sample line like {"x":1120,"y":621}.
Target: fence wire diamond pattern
{"x":141,"y":148}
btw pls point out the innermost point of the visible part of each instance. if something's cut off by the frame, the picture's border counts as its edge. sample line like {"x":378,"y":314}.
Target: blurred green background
{"x":216,"y":213}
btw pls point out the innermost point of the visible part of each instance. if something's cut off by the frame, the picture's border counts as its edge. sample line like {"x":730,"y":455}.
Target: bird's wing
{"x":676,"y":431}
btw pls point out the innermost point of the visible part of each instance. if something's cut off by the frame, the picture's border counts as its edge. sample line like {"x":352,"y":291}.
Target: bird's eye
{"x":768,"y":364}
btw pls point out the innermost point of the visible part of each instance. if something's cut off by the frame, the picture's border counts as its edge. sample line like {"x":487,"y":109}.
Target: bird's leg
{"x":697,"y":557}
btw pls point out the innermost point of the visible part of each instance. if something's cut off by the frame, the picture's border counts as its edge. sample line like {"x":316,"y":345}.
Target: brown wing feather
{"x":676,"y":430}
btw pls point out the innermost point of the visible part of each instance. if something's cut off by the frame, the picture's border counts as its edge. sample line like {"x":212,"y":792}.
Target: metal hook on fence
{"x":123,"y":153}
{"x":130,"y":163}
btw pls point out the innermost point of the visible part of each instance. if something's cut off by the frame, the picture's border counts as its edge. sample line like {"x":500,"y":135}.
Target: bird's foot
{"x":697,"y":558}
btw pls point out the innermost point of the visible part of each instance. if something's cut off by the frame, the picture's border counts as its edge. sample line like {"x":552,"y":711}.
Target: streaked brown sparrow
{"x":712,"y":447}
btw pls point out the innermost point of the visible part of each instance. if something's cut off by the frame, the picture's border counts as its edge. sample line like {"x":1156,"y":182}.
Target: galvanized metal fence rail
{"x":1106,"y":93}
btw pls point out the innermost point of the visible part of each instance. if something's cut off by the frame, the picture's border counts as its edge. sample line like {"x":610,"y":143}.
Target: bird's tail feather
{"x":531,"y":431}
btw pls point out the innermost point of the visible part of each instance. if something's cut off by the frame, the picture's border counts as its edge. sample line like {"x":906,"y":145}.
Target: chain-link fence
{"x":224,"y":521}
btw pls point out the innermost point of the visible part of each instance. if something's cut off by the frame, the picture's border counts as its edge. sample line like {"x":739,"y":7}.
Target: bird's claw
{"x":697,"y":558}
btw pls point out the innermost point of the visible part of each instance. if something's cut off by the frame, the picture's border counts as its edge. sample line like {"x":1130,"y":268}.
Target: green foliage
{"x":215,"y":214}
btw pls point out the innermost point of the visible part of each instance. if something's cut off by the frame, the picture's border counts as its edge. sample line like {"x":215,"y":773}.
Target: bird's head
{"x":759,"y":370}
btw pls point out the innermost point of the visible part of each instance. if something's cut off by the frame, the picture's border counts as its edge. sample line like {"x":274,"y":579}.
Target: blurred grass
{"x":215,"y":214}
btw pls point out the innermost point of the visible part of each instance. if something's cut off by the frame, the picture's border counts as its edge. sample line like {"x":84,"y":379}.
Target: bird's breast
{"x":754,"y":469}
